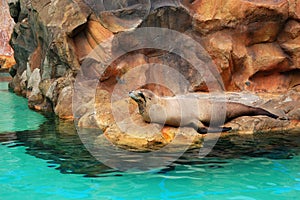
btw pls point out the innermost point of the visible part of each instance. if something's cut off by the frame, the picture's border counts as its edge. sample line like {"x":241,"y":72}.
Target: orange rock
{"x":216,"y":15}
{"x":267,"y":57}
{"x":261,"y":58}
{"x":220,"y":45}
{"x":290,"y":31}
{"x":266,"y":82}
{"x":168,"y":134}
{"x":293,"y":48}
{"x":35,"y":59}
{"x":7,"y":62}
{"x":294,"y":9}
{"x":257,"y":32}
{"x":64,"y":104}
{"x":289,"y":40}
{"x":98,"y":32}
{"x":37,"y":107}
{"x":6,"y":28}
{"x":115,"y":73}
{"x":120,"y":18}
{"x":83,"y":48}
{"x":88,"y":39}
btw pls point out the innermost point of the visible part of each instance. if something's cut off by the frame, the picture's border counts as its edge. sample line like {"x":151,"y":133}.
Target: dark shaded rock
{"x":12,"y":71}
{"x":175,"y":18}
{"x":14,"y":9}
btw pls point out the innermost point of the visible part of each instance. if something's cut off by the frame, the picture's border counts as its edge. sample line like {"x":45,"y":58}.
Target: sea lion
{"x":188,"y":110}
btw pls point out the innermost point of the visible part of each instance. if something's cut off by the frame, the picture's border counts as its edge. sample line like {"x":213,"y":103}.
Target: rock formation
{"x":6,"y":26}
{"x":254,"y":46}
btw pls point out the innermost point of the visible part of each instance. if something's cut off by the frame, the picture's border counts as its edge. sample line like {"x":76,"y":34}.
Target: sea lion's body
{"x":187,"y":110}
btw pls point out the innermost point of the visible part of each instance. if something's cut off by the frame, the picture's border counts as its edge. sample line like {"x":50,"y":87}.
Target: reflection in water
{"x":6,"y":137}
{"x":57,"y":142}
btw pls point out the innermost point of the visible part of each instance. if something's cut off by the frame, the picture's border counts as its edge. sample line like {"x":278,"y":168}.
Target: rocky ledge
{"x":250,"y":46}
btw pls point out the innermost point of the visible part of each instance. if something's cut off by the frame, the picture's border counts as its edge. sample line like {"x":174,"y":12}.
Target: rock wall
{"x":254,"y":46}
{"x":6,"y":26}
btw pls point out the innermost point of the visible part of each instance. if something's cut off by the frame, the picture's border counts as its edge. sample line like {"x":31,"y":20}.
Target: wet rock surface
{"x":253,"y":46}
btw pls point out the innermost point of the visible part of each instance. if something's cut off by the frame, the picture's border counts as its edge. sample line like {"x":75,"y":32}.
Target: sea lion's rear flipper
{"x":235,"y":110}
{"x":203,"y":130}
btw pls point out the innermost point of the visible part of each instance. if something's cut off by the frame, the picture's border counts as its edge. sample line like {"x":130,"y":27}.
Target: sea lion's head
{"x":143,"y":98}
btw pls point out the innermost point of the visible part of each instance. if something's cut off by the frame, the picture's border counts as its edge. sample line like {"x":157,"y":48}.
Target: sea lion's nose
{"x":131,"y":94}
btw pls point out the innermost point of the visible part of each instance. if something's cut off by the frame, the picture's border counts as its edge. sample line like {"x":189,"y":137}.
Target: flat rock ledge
{"x":122,"y":125}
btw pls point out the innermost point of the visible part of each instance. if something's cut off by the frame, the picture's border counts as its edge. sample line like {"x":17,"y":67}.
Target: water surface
{"x":15,"y":114}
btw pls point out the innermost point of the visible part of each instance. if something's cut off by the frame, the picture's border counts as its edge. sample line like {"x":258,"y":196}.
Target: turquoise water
{"x":51,"y":163}
{"x":15,"y":114}
{"x":25,"y":177}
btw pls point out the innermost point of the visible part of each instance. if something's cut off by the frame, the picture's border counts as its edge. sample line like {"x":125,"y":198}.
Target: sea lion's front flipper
{"x":200,"y":128}
{"x":203,"y":130}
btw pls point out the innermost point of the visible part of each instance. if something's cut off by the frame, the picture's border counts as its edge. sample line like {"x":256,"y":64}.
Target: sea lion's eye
{"x":142,"y":95}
